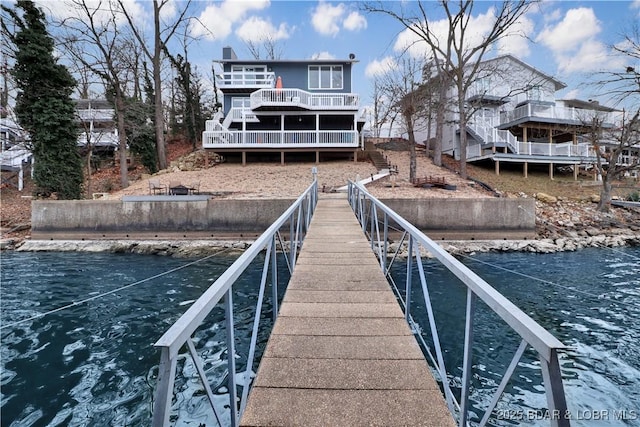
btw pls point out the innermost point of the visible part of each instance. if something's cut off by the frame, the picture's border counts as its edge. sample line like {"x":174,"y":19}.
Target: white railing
{"x":102,"y":139}
{"x":295,"y":220}
{"x":279,"y":139}
{"x":554,"y":112}
{"x":567,"y":149}
{"x":489,"y":134}
{"x":239,"y":114}
{"x":377,"y":221}
{"x":88,"y":114}
{"x":240,"y":79}
{"x":303,"y":99}
{"x":15,"y":156}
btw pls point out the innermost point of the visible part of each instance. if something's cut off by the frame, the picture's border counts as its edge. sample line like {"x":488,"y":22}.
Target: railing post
{"x":383,"y":262}
{"x":467,"y":358}
{"x":231,"y":358}
{"x":274,"y":279}
{"x":556,"y":400}
{"x":407,"y":291}
{"x":164,"y":391}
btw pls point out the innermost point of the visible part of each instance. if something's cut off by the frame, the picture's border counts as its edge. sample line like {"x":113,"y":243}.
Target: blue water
{"x":589,"y":300}
{"x":95,"y":364}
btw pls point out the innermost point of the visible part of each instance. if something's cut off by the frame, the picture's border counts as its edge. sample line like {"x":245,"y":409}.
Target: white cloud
{"x":256,"y":29}
{"x":591,"y":55}
{"x":378,"y":67}
{"x":327,"y":19}
{"x":578,"y":26}
{"x":322,"y":55}
{"x":169,"y":10}
{"x":516,"y":42}
{"x":574,"y":43}
{"x":356,"y":22}
{"x":217,"y":19}
{"x":61,"y":10}
{"x":478,"y":26}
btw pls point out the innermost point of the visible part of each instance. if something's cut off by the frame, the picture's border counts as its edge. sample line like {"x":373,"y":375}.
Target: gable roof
{"x":557,"y":83}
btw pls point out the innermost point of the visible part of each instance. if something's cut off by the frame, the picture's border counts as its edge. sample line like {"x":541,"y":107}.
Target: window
{"x":325,"y":77}
{"x":249,"y":73}
{"x":243,"y":102}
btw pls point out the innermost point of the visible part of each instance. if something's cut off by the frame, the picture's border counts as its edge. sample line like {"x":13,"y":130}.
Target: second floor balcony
{"x":243,"y":80}
{"x":300,"y":99}
{"x":537,"y":112}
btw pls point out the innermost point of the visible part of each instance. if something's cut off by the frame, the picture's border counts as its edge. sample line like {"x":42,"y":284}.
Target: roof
{"x":558,"y":84}
{"x":587,"y":105}
{"x":230,"y":57}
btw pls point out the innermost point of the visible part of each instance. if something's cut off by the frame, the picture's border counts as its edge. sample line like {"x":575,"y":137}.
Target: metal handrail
{"x":297,"y":217}
{"x":368,"y":210}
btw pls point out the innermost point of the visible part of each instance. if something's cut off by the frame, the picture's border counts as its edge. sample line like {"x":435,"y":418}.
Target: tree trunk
{"x":412,"y":149}
{"x":442,"y":95}
{"x":463,"y":135}
{"x":605,"y":194}
{"x":157,"y":82}
{"x":122,"y":139}
{"x":88,"y":175}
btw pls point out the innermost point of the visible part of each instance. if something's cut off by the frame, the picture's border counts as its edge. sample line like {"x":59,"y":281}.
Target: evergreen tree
{"x":44,"y":106}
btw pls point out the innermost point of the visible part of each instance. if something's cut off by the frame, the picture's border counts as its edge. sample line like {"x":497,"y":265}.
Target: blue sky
{"x":565,"y":39}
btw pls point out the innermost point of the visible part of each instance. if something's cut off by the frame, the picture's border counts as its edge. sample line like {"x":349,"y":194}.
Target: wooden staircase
{"x":376,"y":157}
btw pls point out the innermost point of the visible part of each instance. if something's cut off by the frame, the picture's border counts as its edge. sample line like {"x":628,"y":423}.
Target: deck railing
{"x":246,"y":79}
{"x":303,"y":99}
{"x":279,"y":139}
{"x":567,"y":114}
{"x":567,"y":149}
{"x":297,"y":219}
{"x":376,"y":220}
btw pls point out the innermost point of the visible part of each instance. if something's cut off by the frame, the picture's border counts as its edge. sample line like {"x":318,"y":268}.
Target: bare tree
{"x":401,"y":87}
{"x":94,"y":39}
{"x":459,"y":59}
{"x":383,"y":111}
{"x":266,"y":46}
{"x":617,"y":150}
{"x":162,"y":34}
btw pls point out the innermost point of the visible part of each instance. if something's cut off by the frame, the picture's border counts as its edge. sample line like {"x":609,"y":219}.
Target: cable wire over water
{"x":113,"y":291}
{"x":569,"y":288}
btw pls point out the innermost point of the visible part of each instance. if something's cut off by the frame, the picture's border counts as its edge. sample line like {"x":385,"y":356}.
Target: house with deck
{"x":96,"y":121}
{"x":515,"y":118}
{"x":285,"y":106}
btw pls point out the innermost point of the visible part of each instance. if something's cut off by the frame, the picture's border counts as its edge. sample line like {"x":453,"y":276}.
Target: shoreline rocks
{"x":196,"y":248}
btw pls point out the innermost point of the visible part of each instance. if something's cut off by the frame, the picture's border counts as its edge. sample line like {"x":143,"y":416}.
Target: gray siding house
{"x":285,"y":106}
{"x":516,"y":118}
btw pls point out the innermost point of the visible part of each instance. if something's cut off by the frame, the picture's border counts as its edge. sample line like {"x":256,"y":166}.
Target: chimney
{"x":228,"y":53}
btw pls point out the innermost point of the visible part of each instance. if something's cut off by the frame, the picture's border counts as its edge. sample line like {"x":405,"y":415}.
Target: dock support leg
{"x":282,"y":158}
{"x":497,"y":167}
{"x":551,"y":171}
{"x":317,"y":157}
{"x":526,"y":169}
{"x":244,"y":158}
{"x":355,"y":156}
{"x":576,"y":167}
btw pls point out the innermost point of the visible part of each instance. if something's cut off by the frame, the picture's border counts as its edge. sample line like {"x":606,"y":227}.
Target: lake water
{"x":95,"y":364}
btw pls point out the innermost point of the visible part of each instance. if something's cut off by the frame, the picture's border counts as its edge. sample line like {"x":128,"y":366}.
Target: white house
{"x":516,"y":118}
{"x":285,"y":106}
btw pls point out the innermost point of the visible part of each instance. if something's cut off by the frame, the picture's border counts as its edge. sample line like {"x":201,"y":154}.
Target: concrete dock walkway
{"x":341,"y":353}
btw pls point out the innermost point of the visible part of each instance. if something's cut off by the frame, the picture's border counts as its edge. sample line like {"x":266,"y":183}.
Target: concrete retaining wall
{"x":467,"y":214}
{"x":115,"y":216}
{"x":64,"y":219}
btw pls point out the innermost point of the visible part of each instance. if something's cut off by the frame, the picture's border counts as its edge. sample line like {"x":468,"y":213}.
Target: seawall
{"x":210,"y":218}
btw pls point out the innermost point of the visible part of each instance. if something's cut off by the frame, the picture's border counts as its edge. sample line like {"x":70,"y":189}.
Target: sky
{"x":565,"y":39}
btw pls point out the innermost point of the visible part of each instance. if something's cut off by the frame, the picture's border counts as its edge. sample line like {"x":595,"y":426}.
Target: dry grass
{"x":512,"y":181}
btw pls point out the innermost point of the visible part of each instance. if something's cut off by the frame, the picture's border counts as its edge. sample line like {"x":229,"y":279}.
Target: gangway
{"x":340,"y":352}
